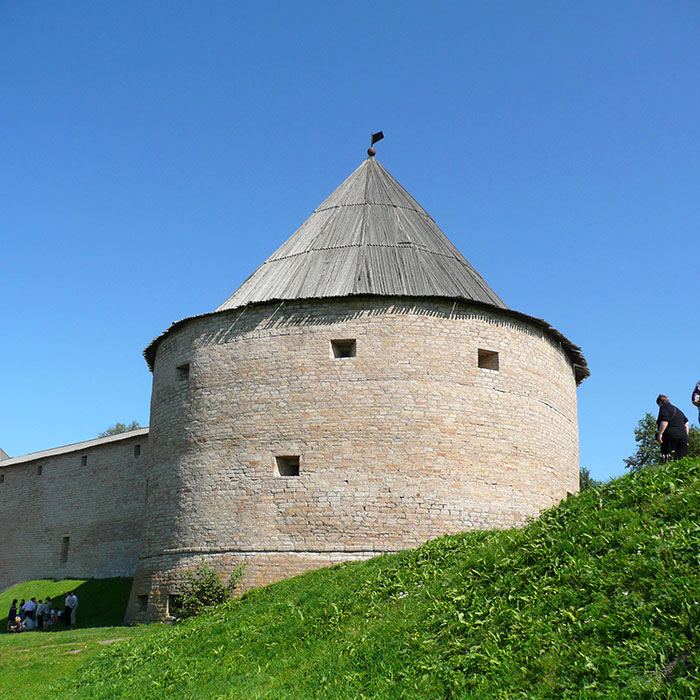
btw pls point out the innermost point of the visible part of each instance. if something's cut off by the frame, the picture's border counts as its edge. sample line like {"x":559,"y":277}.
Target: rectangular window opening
{"x":344,"y":348}
{"x":83,"y":461}
{"x":183,"y":372}
{"x":288,"y":465}
{"x":39,"y":469}
{"x":2,"y":478}
{"x":488,"y":359}
{"x":143,"y":603}
{"x":174,"y":604}
{"x":65,"y":544}
{"x":137,"y":450}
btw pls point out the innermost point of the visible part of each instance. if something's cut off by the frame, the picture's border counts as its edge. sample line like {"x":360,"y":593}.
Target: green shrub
{"x":204,"y":588}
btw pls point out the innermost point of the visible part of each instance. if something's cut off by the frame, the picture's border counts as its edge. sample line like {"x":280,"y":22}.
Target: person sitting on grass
{"x":15,"y":626}
{"x":28,"y":624}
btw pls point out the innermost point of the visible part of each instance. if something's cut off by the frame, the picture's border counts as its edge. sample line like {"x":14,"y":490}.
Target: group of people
{"x":673,"y":426}
{"x":36,"y":614}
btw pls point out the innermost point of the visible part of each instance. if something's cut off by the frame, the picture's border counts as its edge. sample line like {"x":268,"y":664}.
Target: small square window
{"x":137,"y":450}
{"x":65,"y":544}
{"x":488,"y":359}
{"x":288,"y":465}
{"x":83,"y":461}
{"x":39,"y":469}
{"x":143,"y":603}
{"x":344,"y":348}
{"x":183,"y":372}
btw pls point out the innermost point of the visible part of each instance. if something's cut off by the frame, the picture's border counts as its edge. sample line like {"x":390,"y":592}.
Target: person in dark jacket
{"x":695,"y":398}
{"x":673,"y":429}
{"x":12,"y":614}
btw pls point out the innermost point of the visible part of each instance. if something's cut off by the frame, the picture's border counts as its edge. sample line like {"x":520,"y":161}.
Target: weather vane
{"x":371,"y":151}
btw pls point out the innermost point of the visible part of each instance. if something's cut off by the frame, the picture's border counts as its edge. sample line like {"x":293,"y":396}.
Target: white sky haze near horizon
{"x":154,"y":154}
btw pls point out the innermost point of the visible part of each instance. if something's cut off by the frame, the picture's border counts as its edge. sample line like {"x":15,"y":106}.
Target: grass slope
{"x":101,"y":602}
{"x":31,"y":663}
{"x":596,"y":599}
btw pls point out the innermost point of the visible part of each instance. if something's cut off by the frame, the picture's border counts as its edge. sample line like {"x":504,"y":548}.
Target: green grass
{"x":596,"y":599}
{"x":593,"y":600}
{"x":101,"y":602}
{"x":32,"y":662}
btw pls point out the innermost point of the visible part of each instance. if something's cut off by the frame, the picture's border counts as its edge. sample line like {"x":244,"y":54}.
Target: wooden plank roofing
{"x":368,"y":237}
{"x":371,"y":238}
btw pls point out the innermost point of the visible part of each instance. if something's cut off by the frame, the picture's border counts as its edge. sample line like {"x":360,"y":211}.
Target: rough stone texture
{"x":406,"y":441}
{"x":99,"y":506}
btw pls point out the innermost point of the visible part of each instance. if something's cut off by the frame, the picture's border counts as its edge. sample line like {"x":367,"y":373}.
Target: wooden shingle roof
{"x":368,"y":237}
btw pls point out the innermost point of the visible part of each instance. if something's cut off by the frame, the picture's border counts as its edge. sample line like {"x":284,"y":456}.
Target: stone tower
{"x":363,"y":391}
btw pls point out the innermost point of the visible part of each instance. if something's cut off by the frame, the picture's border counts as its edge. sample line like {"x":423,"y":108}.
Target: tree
{"x":648,"y":449}
{"x":586,"y":481}
{"x":120,"y":428}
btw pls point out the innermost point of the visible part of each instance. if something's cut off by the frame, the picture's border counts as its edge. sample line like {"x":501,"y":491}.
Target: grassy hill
{"x":102,"y":602}
{"x":599,"y":598}
{"x":30,"y":663}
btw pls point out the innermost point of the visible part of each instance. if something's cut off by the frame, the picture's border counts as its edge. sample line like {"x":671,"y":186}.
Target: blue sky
{"x":155,"y":153}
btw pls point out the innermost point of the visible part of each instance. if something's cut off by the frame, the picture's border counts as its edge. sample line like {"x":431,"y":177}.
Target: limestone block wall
{"x":73,"y":512}
{"x":406,"y":440}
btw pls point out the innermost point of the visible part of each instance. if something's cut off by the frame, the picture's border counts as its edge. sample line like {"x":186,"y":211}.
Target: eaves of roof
{"x":74,"y":447}
{"x":581,"y":370}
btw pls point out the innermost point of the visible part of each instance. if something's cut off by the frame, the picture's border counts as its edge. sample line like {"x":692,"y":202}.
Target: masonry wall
{"x":408,"y":440}
{"x":99,"y":506}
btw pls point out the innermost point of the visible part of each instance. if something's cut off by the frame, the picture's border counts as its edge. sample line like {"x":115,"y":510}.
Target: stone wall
{"x":405,"y":441}
{"x":92,"y":493}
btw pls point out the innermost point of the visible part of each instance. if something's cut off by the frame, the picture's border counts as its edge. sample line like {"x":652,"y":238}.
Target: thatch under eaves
{"x":369,"y":237}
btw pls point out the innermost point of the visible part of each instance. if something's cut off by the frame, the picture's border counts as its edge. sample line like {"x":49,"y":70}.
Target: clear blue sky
{"x":155,"y":153}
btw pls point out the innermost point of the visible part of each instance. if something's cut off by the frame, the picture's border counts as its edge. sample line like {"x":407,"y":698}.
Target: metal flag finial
{"x":371,"y":151}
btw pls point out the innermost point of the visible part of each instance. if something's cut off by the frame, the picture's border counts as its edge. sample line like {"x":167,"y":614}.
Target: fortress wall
{"x":408,"y":440}
{"x":99,"y":506}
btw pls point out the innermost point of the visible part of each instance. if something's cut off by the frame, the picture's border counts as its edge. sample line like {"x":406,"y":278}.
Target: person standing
{"x":673,"y":429}
{"x":12,"y":614}
{"x":30,"y":609}
{"x":71,"y":607}
{"x":696,"y":398}
{"x":47,"y":612}
{"x":39,"y":613}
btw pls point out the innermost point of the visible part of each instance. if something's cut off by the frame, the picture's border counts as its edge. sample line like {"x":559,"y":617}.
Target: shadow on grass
{"x":101,"y":602}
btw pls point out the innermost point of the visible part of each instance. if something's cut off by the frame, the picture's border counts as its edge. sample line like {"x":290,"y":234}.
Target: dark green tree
{"x":586,"y":481}
{"x":120,"y":428}
{"x":648,"y":449}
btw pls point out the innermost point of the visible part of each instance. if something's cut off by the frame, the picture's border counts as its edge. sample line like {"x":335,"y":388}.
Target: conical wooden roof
{"x":369,"y":237}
